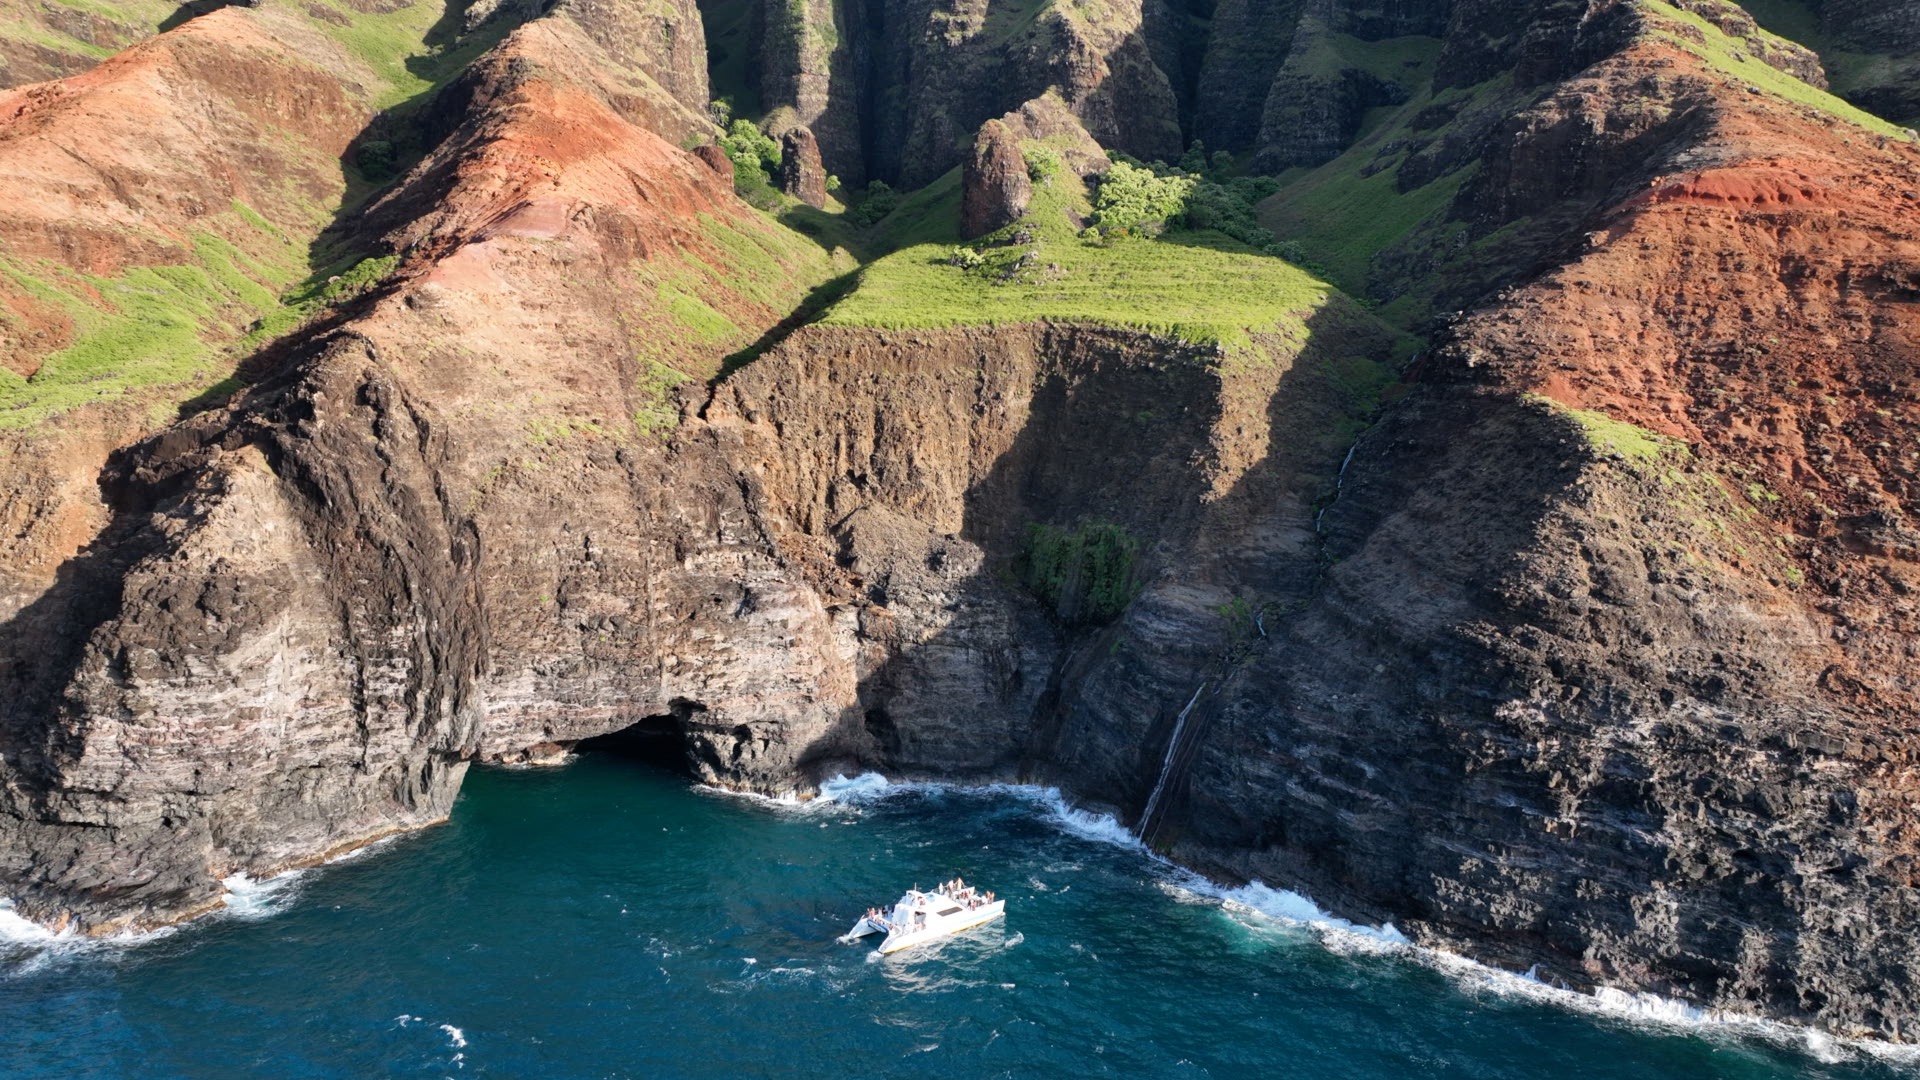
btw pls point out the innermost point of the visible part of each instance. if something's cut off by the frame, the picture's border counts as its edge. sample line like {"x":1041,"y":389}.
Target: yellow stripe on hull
{"x":929,"y":935}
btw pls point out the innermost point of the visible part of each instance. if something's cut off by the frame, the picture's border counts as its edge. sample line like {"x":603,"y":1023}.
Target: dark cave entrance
{"x":659,"y":742}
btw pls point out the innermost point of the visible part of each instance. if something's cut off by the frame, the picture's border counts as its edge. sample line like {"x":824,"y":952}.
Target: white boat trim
{"x":921,"y":917}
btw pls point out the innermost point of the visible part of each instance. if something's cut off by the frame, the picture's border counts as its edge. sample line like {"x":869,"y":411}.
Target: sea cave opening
{"x":656,"y":741}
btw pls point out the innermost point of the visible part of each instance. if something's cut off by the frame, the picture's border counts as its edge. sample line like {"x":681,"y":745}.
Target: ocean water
{"x":606,"y":920}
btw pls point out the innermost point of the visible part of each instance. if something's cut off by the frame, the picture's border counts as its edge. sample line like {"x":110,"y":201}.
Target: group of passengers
{"x":966,"y":894}
{"x":956,"y":890}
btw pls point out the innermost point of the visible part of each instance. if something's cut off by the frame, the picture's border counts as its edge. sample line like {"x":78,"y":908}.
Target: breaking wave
{"x":870,"y":787}
{"x":855,"y":789}
{"x":1258,"y":902}
{"x":27,"y":946}
{"x":248,"y":897}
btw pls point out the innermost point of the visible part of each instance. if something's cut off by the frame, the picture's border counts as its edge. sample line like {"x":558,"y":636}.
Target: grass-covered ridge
{"x":1851,"y":74}
{"x":69,"y":35}
{"x":1342,"y":215}
{"x":1199,"y":287}
{"x":1612,"y":438}
{"x":1731,"y":57}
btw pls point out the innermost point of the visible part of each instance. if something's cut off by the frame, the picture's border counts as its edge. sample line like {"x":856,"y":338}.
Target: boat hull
{"x":965,"y":921}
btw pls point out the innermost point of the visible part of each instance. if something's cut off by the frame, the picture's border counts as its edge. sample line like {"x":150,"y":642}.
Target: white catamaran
{"x":921,"y":917}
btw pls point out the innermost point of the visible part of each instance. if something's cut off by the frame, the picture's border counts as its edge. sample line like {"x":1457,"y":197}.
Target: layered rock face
{"x":1590,"y":654}
{"x":1638,"y":670}
{"x":1890,"y":27}
{"x":1314,"y":105}
{"x":273,"y":648}
{"x":1879,"y":55}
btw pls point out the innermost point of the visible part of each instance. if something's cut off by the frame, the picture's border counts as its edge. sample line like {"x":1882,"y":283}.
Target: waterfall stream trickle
{"x":1339,"y":478}
{"x":1166,"y":766}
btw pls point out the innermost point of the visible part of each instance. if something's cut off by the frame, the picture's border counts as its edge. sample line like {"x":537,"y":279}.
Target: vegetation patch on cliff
{"x":1883,"y":80}
{"x":1200,"y":286}
{"x":67,"y":35}
{"x":408,"y":48}
{"x":1339,"y":217}
{"x":1084,"y":575}
{"x":1613,"y":438}
{"x":147,"y":327}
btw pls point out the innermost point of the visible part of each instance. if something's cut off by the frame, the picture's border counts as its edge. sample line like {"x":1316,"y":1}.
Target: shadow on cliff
{"x":1213,"y":467}
{"x":400,"y":135}
{"x":42,"y":647}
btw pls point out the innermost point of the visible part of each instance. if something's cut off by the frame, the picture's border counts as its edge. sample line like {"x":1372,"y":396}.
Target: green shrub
{"x":1134,"y":199}
{"x":756,"y":158}
{"x":1151,"y":199}
{"x":1042,"y":164}
{"x":876,"y":202}
{"x":1086,"y":575}
{"x":377,"y":160}
{"x":1195,"y":159}
{"x":1226,"y":209}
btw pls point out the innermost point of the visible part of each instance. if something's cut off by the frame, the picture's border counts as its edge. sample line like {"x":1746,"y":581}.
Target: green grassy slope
{"x":163,"y":334}
{"x":1198,"y":287}
{"x":1730,"y":57}
{"x":48,"y":38}
{"x":1345,"y":213}
{"x":1351,"y":220}
{"x":1851,"y":74}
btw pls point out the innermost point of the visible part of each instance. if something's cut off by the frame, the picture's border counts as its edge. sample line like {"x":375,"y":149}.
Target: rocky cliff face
{"x":994,"y":188}
{"x":1640,"y":691}
{"x":173,"y":755}
{"x":896,"y":88}
{"x":136,"y":237}
{"x":1589,"y":654}
{"x":1880,"y":28}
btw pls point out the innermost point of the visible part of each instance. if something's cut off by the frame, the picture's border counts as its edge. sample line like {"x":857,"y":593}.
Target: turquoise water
{"x":604,"y":920}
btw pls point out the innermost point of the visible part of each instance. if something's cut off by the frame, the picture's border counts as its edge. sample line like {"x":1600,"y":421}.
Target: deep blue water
{"x":604,"y":920}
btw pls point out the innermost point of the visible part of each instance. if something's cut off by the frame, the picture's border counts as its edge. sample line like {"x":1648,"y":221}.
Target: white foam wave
{"x":1656,"y":1011}
{"x":854,"y":789}
{"x":1259,"y":901}
{"x":1288,"y":906}
{"x":31,"y":947}
{"x":16,"y":929}
{"x":871,"y":787}
{"x":455,"y":1037}
{"x":248,"y":897}
{"x":1085,"y":824}
{"x":1474,"y":978}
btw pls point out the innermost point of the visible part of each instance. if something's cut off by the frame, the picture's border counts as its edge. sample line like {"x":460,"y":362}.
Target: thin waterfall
{"x":1339,"y":478}
{"x":1166,"y":767}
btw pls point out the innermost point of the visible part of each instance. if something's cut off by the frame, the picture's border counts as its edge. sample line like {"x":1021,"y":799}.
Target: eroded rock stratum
{"x":1553,"y":600}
